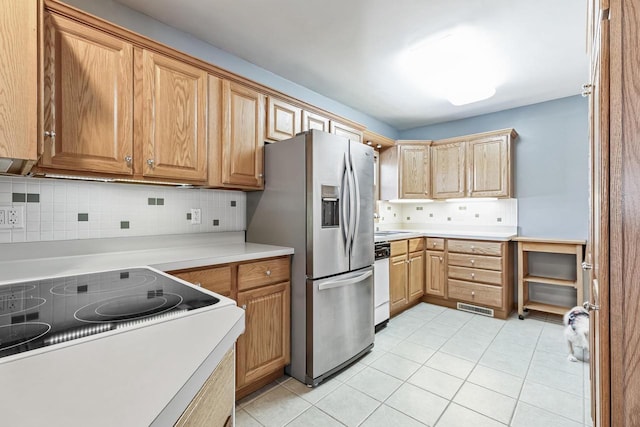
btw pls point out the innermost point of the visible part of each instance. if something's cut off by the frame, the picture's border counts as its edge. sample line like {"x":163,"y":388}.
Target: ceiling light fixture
{"x":458,"y":65}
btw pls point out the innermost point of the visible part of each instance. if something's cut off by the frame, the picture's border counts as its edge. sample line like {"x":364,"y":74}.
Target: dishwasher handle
{"x":339,"y":283}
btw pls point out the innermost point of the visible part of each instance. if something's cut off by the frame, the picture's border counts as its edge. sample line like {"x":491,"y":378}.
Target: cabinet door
{"x":398,"y":290}
{"x":489,"y":167}
{"x":264,"y":346}
{"x":435,"y":280}
{"x":447,"y":170}
{"x":173,"y":118}
{"x":19,"y":84}
{"x":346,"y":131}
{"x":415,"y":172}
{"x":242,"y":135}
{"x":88,"y":99}
{"x":283,"y":119}
{"x":416,"y":275}
{"x":314,"y":121}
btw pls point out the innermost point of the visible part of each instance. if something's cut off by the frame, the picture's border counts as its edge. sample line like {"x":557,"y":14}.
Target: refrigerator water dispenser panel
{"x":330,"y":206}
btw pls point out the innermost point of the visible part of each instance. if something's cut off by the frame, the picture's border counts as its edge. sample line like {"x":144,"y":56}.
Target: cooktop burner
{"x":49,"y":311}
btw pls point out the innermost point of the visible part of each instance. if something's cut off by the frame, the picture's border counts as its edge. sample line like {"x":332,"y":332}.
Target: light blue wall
{"x":143,"y":24}
{"x":551,"y":170}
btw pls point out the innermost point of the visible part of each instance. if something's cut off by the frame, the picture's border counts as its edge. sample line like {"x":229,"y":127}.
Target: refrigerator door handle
{"x":352,"y":205}
{"x":356,"y":205}
{"x":346,"y":204}
{"x":340,"y":283}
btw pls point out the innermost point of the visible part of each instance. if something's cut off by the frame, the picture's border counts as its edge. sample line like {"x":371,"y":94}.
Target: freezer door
{"x":362,"y":251}
{"x":339,"y":321}
{"x":327,"y":204}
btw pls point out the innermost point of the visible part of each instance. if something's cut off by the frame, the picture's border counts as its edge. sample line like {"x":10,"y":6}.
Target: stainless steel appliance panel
{"x":327,"y":243}
{"x":339,"y":320}
{"x":362,"y":250}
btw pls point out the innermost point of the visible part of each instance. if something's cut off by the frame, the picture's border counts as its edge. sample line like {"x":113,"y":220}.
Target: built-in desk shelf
{"x":527,"y":245}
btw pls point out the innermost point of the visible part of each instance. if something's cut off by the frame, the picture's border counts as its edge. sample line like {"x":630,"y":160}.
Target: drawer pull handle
{"x":268,"y":273}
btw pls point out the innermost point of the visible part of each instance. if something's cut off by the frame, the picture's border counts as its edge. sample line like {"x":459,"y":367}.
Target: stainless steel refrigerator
{"x":318,"y":199}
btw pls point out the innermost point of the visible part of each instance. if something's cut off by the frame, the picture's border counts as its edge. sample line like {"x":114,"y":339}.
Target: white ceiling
{"x":347,"y":50}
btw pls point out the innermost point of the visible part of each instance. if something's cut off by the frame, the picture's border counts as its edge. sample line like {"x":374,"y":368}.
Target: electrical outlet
{"x":11,"y":217}
{"x":196,"y":216}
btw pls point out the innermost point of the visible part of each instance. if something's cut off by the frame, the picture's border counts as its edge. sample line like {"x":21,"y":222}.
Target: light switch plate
{"x":196,"y":216}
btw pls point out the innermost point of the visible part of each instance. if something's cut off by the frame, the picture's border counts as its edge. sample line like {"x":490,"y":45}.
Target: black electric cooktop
{"x":50,"y":311}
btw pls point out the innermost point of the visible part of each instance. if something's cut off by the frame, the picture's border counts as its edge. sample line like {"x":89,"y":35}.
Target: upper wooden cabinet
{"x":88,"y":99}
{"x":479,"y":165}
{"x":283,"y":119}
{"x":349,"y":132}
{"x":236,"y":135}
{"x":490,"y":163}
{"x":314,"y":121}
{"x":448,"y":170}
{"x":19,"y":84}
{"x":172,"y":117}
{"x":405,"y":171}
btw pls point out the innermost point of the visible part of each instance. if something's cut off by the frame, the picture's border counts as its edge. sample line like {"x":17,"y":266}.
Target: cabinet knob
{"x":150,"y":162}
{"x":434,"y":244}
{"x":472,"y":247}
{"x":473,"y":261}
{"x":440,"y":259}
{"x":50,"y":134}
{"x":260,"y":175}
{"x":244,"y":306}
{"x":128,"y":159}
{"x":198,"y":284}
{"x":268,"y":272}
{"x":407,"y":262}
{"x":473,"y":275}
{"x":473,"y":294}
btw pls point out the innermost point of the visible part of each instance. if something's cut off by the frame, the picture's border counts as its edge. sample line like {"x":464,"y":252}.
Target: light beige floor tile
{"x":277,"y":407}
{"x":557,"y":361}
{"x":454,"y":317}
{"x":417,"y":403}
{"x":487,"y":402}
{"x":374,"y":383}
{"x":530,"y":416}
{"x":504,"y":362}
{"x":386,"y":416}
{"x":458,"y":416}
{"x":312,"y":394}
{"x":463,"y":348}
{"x":413,"y":352}
{"x":350,"y":371}
{"x":560,"y":380}
{"x":396,"y":366}
{"x":375,"y":353}
{"x":437,"y":382}
{"x":314,"y":417}
{"x":386,"y":340}
{"x":451,"y":365}
{"x":243,"y":419}
{"x":348,"y":405}
{"x":427,"y":338}
{"x":588,"y":421}
{"x":253,"y":396}
{"x":495,"y":380}
{"x":445,"y":330}
{"x":552,"y":400}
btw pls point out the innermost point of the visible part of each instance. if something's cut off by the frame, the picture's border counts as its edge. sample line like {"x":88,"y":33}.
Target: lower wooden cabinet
{"x":435,"y":274}
{"x":213,"y":405}
{"x":406,"y":274}
{"x":262,"y":288}
{"x":264,"y":346}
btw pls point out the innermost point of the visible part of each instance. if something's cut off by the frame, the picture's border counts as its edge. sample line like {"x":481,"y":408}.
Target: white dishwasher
{"x":381,"y":284}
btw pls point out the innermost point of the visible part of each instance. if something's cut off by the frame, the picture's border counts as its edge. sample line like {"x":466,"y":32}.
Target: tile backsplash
{"x":501,"y":212}
{"x":66,"y":210}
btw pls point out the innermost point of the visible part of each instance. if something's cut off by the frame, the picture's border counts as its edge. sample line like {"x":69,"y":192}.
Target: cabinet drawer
{"x":434,"y":244}
{"x":475,"y":247}
{"x":215,"y":279}
{"x":476,"y":261}
{"x":476,"y":275}
{"x":398,"y":247}
{"x":416,"y":244}
{"x":475,"y":293}
{"x":261,"y":273}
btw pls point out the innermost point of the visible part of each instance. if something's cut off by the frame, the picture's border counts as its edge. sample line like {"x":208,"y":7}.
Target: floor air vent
{"x":475,"y":309}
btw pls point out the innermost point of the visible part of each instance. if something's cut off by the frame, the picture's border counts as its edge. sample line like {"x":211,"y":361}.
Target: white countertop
{"x":30,"y":261}
{"x":501,"y":236}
